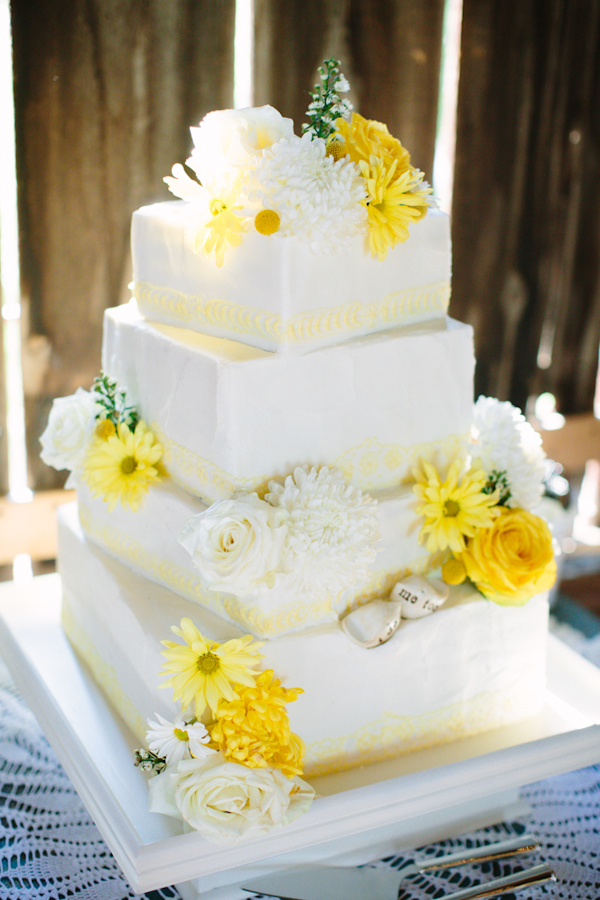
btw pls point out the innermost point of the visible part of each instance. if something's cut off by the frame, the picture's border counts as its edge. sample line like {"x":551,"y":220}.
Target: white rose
{"x":228,"y":144}
{"x":236,"y":544}
{"x":228,"y":802}
{"x":70,"y":427}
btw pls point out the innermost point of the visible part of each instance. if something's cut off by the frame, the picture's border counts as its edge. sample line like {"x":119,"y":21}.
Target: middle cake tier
{"x":231,"y":417}
{"x":147,"y":541}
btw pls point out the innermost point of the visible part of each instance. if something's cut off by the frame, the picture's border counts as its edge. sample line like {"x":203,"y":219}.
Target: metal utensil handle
{"x":516,"y":882}
{"x":524,"y":844}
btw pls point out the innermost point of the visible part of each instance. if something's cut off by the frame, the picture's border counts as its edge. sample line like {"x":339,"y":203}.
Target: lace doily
{"x":50,"y":849}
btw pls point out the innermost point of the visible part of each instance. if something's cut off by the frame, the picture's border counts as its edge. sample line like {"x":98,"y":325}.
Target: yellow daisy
{"x":454,"y":508}
{"x":395,"y":198}
{"x":225,"y":227}
{"x":204,"y":671}
{"x":123,"y":465}
{"x":254,"y":729}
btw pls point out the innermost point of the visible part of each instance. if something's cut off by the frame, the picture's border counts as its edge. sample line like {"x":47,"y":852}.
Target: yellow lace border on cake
{"x":389,"y":736}
{"x":399,"y":307}
{"x":371,"y":466}
{"x":393,"y":735}
{"x":104,"y":675}
{"x":291,"y":617}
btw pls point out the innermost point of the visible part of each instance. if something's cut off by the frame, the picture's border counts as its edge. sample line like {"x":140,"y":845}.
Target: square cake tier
{"x":470,"y":667}
{"x":231,"y":417}
{"x":278,"y":293}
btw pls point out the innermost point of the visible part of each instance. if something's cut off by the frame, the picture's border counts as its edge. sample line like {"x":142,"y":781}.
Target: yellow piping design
{"x":394,"y":735}
{"x":290,"y":617}
{"x":104,"y":675}
{"x":399,"y":307}
{"x":390,"y":736}
{"x":371,"y":466}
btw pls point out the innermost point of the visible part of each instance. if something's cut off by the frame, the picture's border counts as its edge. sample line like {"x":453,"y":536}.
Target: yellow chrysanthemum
{"x":454,"y":508}
{"x":204,"y":671}
{"x":254,"y":729}
{"x":225,"y":227}
{"x":364,"y":138}
{"x":395,"y":198}
{"x":123,"y":465}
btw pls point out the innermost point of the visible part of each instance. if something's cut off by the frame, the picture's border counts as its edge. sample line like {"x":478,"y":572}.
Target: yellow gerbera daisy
{"x":123,"y":465}
{"x":254,"y":729}
{"x":204,"y":671}
{"x":454,"y":508}
{"x":225,"y":227}
{"x":394,"y":199}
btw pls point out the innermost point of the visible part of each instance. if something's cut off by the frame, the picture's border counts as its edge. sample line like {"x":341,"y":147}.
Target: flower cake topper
{"x":340,"y":180}
{"x":102,"y":440}
{"x":234,"y":775}
{"x":482,"y":518}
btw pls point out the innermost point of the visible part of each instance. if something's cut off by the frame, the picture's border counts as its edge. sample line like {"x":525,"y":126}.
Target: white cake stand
{"x":359,"y":815}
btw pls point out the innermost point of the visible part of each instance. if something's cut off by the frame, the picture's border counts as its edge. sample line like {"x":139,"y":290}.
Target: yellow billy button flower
{"x":121,"y":466}
{"x":336,"y":146}
{"x":105,"y":429}
{"x":513,"y":559}
{"x":204,"y":671}
{"x":267,"y":221}
{"x":254,"y":729}
{"x":455,"y":508}
{"x":453,"y":571}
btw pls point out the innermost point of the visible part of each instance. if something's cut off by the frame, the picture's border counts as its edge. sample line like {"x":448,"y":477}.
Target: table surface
{"x":50,"y":848}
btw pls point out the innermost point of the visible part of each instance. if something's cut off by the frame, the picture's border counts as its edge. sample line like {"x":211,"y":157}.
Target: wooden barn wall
{"x":526,"y":216}
{"x":3,"y":443}
{"x":390,"y":50}
{"x":105,"y":92}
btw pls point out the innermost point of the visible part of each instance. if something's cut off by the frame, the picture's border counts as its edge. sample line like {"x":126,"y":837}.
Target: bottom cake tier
{"x":470,"y":667}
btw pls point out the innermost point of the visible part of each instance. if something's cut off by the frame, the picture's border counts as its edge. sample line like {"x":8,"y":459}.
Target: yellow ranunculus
{"x":366,"y":137}
{"x":513,"y":559}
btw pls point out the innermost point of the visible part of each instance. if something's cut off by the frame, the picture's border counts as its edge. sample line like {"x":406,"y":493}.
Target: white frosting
{"x":276,"y":293}
{"x":469,"y":667}
{"x":147,"y":541}
{"x":231,"y":417}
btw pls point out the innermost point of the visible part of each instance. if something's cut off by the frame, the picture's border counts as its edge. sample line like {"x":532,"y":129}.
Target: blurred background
{"x":497,"y":103}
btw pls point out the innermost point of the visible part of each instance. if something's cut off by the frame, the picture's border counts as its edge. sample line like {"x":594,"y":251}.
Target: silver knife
{"x":328,"y":883}
{"x":379,"y":884}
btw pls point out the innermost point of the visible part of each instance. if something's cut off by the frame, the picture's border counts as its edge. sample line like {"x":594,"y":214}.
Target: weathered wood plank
{"x":3,"y":433}
{"x":105,"y":92}
{"x":526,"y":226}
{"x":390,"y":52}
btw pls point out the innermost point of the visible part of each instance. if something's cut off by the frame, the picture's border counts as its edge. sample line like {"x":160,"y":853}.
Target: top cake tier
{"x":276,"y":293}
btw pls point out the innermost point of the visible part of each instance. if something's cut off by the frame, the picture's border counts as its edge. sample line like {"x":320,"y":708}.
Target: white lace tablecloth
{"x":50,"y":849}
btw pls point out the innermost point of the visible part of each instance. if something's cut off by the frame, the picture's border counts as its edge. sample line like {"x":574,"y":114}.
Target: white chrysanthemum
{"x":332,"y":529}
{"x":317,"y":198}
{"x":175,"y":741}
{"x":506,"y":442}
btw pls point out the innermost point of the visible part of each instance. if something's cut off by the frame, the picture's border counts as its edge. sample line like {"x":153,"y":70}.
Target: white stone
{"x":419,"y":596}
{"x":372,"y":624}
